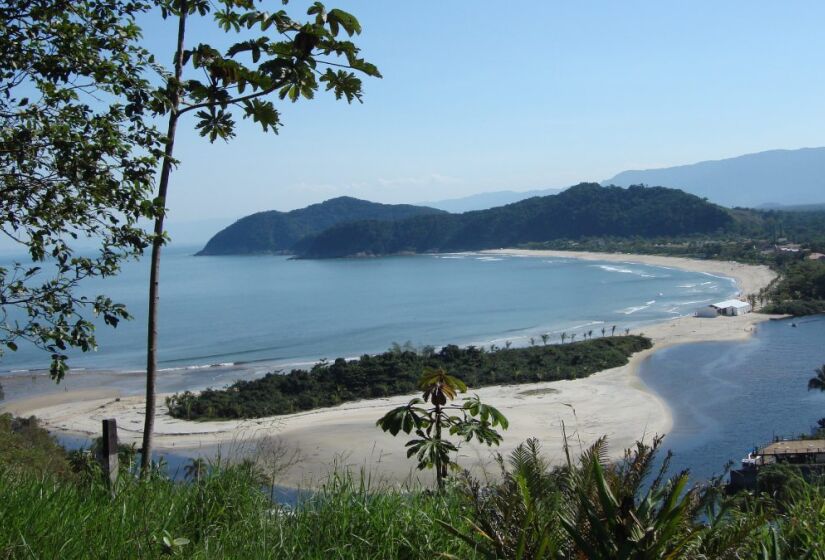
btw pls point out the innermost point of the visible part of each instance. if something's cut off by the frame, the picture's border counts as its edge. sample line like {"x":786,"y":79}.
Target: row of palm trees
{"x":545,"y":338}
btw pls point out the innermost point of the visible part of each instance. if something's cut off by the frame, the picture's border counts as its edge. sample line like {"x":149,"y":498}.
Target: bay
{"x":261,"y":312}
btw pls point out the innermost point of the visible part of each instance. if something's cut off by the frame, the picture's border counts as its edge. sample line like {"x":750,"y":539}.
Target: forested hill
{"x":277,"y":232}
{"x":585,"y":210}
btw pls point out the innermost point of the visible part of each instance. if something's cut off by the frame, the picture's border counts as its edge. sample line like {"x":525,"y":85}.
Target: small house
{"x":732,"y":307}
{"x":807,"y":457}
{"x":789,"y":248}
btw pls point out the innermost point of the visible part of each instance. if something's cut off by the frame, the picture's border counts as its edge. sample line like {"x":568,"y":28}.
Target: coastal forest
{"x":580,"y":211}
{"x":277,"y":232}
{"x":586,"y":217}
{"x":396,"y":372}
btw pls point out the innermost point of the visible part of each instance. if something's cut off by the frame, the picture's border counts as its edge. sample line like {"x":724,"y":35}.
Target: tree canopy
{"x":397,"y":372}
{"x":277,"y":232}
{"x":78,"y":154}
{"x":584,"y":210}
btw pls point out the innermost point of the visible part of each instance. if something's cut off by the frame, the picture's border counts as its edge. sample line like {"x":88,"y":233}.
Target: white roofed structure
{"x":732,"y":307}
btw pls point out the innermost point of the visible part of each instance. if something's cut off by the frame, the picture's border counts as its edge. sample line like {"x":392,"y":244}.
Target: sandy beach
{"x":612,"y":403}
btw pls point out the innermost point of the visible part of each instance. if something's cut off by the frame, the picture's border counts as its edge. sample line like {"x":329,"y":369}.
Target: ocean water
{"x":728,"y":397}
{"x":260,"y":312}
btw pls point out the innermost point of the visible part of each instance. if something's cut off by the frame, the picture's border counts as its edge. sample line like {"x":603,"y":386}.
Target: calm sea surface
{"x":271,"y":310}
{"x":729,"y":397}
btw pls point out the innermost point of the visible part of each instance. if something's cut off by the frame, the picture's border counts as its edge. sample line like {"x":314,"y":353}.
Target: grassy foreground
{"x":587,"y":511}
{"x":587,"y":508}
{"x":224,"y":516}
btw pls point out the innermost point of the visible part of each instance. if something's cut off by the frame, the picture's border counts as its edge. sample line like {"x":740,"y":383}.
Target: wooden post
{"x":108,"y":453}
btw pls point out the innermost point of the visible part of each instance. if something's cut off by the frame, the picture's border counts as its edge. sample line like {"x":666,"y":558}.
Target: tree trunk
{"x":440,"y":471}
{"x":157,"y":244}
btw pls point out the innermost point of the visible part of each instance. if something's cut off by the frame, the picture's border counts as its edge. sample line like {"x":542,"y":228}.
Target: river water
{"x":727,"y":397}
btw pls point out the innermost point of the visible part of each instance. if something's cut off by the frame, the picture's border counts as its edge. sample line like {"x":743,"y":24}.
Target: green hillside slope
{"x":277,"y":232}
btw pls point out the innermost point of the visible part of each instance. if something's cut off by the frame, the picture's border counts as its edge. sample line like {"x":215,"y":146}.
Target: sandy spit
{"x":612,"y":403}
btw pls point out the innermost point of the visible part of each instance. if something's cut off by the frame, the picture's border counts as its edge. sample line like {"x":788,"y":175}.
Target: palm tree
{"x":573,"y":337}
{"x":612,"y":330}
{"x":590,"y":333}
{"x":626,"y":332}
{"x":603,"y":331}
{"x":563,"y":337}
{"x":195,"y":469}
{"x":544,"y":338}
{"x":817,"y":382}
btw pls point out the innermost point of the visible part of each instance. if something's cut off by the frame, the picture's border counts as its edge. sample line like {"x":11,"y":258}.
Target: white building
{"x":732,"y":307}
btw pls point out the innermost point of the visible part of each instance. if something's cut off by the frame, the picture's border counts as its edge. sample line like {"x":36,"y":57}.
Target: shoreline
{"x":614,"y":402}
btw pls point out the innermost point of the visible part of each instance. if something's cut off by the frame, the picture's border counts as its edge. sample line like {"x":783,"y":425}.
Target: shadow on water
{"x":727,"y":397}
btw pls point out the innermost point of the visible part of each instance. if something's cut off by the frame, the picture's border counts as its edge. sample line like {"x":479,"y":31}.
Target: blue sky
{"x":480,"y":96}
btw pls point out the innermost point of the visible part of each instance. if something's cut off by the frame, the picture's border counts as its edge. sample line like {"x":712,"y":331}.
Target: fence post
{"x":108,"y":455}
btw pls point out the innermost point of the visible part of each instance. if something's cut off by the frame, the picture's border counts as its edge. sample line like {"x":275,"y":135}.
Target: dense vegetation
{"x":584,"y":210}
{"x":397,"y":373}
{"x":800,"y":291}
{"x":586,"y":508}
{"x":755,"y":237}
{"x":277,"y":232}
{"x":25,"y":446}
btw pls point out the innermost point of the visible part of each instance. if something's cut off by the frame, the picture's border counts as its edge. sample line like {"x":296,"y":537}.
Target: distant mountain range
{"x":794,"y":208}
{"x":483,"y":201}
{"x":277,"y":232}
{"x":776,"y":177}
{"x":585,"y":210}
{"x":783,"y":180}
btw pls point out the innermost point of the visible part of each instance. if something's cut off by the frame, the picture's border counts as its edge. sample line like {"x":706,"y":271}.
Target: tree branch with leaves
{"x":277,"y":58}
{"x":78,"y":158}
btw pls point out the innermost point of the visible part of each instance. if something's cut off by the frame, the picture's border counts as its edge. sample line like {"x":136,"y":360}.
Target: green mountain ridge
{"x":276,"y":232}
{"x":584,"y":210}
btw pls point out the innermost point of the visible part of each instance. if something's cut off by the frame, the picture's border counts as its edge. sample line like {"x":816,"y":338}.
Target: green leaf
{"x":262,"y":112}
{"x":403,"y":418}
{"x":350,"y":24}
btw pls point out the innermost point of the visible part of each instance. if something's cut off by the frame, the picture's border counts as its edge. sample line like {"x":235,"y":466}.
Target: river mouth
{"x":728,"y":397}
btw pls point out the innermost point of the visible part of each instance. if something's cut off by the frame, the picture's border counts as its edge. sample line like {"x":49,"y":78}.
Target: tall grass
{"x":223,"y":516}
{"x":588,"y":508}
